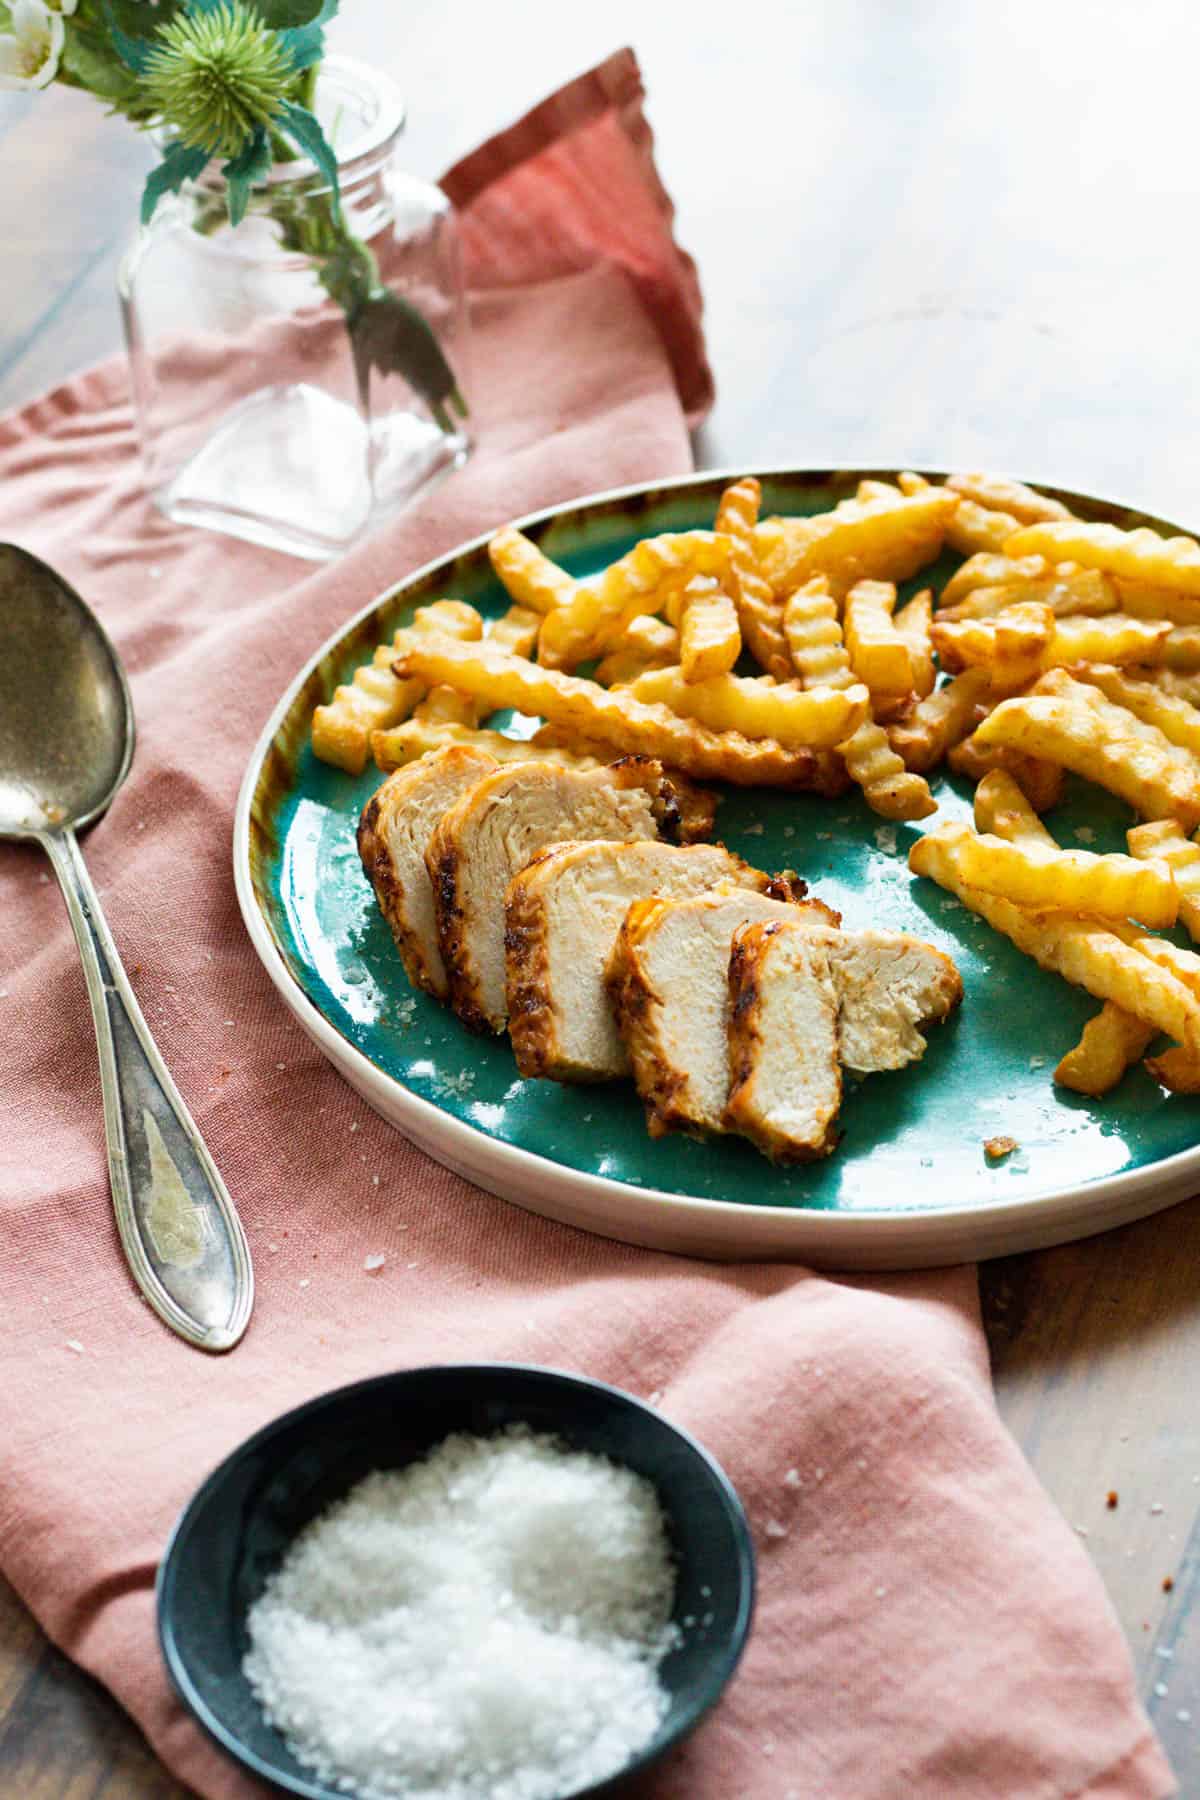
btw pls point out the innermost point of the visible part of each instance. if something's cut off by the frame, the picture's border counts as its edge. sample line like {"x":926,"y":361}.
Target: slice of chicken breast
{"x":562,"y":914}
{"x":668,"y":979}
{"x":785,"y":1080}
{"x":498,"y":827}
{"x":393,"y":834}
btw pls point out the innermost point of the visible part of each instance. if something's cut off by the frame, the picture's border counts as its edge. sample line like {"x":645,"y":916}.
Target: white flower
{"x":29,"y":53}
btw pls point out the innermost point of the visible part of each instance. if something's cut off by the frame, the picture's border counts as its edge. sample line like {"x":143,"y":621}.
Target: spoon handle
{"x":181,"y":1235}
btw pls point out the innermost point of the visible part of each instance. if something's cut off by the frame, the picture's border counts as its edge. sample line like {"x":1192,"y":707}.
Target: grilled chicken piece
{"x":393,"y":834}
{"x":562,"y":914}
{"x":785,"y":1082}
{"x":890,"y":986}
{"x":500,"y":826}
{"x":668,"y":980}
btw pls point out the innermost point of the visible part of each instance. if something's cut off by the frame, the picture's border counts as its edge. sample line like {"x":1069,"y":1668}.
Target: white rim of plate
{"x":858,"y":1239}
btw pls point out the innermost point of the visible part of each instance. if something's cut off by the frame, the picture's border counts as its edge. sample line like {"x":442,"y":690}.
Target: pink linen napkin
{"x":927,"y":1623}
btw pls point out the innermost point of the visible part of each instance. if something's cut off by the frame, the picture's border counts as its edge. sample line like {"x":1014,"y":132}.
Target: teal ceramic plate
{"x":909,"y":1184}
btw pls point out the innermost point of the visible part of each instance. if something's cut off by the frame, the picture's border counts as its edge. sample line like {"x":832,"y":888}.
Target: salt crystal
{"x":1161,"y":1650}
{"x":881,"y":1593}
{"x":1085,"y":834}
{"x":374,"y":1262}
{"x":789,"y":831}
{"x":768,"y":1748}
{"x":272,"y":1246}
{"x":412,"y":1265}
{"x":824,"y":837}
{"x":1037,"y":1062}
{"x":75,"y":1345}
{"x":487,"y":1622}
{"x":1081,"y":1530}
{"x":374,"y":1181}
{"x":281,"y":1065}
{"x":44,"y":879}
{"x":1158,"y":1507}
{"x":229,"y":1021}
{"x":792,"y":1479}
{"x":885,"y":837}
{"x":354,"y":1125}
{"x":774,"y":1529}
{"x":3,"y":993}
{"x":755,"y":830}
{"x":305,"y":1282}
{"x":818,"y":1474}
{"x":141,"y":825}
{"x":1160,"y":1688}
{"x":1184,"y":1716}
{"x":654,"y":1396}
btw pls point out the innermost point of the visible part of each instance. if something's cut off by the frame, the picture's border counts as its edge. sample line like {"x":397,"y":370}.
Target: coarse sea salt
{"x":486,"y":1624}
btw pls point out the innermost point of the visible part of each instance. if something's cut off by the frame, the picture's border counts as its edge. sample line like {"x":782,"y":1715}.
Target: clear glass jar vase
{"x":300,"y":378}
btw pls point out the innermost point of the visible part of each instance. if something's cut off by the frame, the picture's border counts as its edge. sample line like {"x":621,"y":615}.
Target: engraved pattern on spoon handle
{"x":181,"y":1235}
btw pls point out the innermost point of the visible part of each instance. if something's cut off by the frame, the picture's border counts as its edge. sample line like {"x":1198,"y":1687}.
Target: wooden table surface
{"x":937,"y":232}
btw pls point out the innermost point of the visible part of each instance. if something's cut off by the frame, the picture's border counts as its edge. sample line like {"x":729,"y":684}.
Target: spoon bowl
{"x":66,"y":743}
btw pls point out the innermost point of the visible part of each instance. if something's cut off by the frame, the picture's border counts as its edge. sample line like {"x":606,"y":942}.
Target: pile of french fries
{"x":772,"y":652}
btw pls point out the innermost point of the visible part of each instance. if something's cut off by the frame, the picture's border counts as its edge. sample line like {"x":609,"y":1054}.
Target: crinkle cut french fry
{"x":517,"y":630}
{"x":758,"y":607}
{"x":1111,"y":1043}
{"x":1141,"y":555}
{"x":710,"y":641}
{"x":989,"y":569}
{"x":1177,"y":1069}
{"x":1013,"y":645}
{"x":945,"y":716}
{"x":1091,"y":955}
{"x":881,"y":540}
{"x":799,"y":718}
{"x":528,"y":574}
{"x":1141,"y":601}
{"x":1170,"y":681}
{"x":417,"y":737}
{"x":974,"y":528}
{"x":1166,"y":840}
{"x":813,"y":634}
{"x":814,"y":638}
{"x":1177,"y":719}
{"x":375,"y":698}
{"x":998,"y":493}
{"x":878,"y":654}
{"x":602,"y":606}
{"x":622,"y":667}
{"x":1077,"y":727}
{"x":914,"y":623}
{"x":1005,"y":810}
{"x":612,"y":717}
{"x":1067,"y":591}
{"x":1041,"y":782}
{"x":1115,"y":638}
{"x":1179,"y":649}
{"x":1045,"y":877}
{"x":445,"y":705}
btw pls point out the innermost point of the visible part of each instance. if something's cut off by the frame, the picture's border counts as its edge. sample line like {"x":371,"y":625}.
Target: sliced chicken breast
{"x":562,"y":914}
{"x":785,"y":1080}
{"x":668,"y":980}
{"x":393,"y":835}
{"x":890,"y":986}
{"x":498,"y":827}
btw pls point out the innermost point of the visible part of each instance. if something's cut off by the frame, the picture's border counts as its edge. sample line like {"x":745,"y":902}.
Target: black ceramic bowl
{"x":236,"y":1528}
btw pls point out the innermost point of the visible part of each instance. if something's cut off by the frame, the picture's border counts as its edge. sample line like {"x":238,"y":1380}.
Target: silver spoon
{"x":66,"y":742}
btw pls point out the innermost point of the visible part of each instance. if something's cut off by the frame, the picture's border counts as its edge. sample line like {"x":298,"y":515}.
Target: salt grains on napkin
{"x":927,"y":1625}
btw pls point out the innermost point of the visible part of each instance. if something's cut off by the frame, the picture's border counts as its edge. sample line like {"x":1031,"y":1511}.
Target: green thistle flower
{"x":216,"y":77}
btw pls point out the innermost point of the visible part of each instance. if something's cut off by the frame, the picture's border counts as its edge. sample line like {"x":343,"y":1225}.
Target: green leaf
{"x":134,"y":19}
{"x":89,"y":61}
{"x":389,"y":334}
{"x":181,"y":163}
{"x":306,"y":45}
{"x":285,"y":15}
{"x":251,"y":164}
{"x":133,"y":48}
{"x":297,"y":123}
